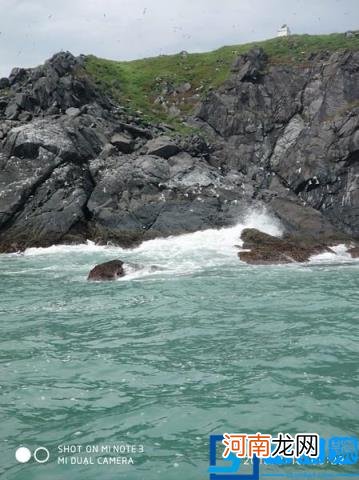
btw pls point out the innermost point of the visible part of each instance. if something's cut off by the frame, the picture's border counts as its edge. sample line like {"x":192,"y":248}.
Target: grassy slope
{"x":138,"y":83}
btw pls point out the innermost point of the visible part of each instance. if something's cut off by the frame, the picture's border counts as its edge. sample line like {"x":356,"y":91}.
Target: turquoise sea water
{"x":162,"y":359}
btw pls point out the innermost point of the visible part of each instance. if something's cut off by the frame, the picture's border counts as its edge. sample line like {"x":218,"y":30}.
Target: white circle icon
{"x":23,"y":455}
{"x":41,"y":450}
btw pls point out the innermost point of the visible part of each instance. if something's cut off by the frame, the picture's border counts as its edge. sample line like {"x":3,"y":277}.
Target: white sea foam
{"x":339,"y":254}
{"x":180,"y":254}
{"x":57,"y":249}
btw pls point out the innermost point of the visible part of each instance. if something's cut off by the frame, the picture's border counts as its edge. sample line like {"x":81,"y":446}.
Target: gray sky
{"x":32,"y":30}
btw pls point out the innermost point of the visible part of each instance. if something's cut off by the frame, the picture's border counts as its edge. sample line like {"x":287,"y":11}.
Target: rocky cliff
{"x":293,"y":132}
{"x":74,"y":165}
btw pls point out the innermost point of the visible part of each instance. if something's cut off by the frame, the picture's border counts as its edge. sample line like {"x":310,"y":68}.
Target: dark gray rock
{"x":136,"y":130}
{"x":53,"y":209}
{"x":302,"y":220}
{"x":24,"y":117}
{"x":44,"y":180}
{"x":123,"y":142}
{"x":16,"y":75}
{"x":107,"y":271}
{"x":250,"y":67}
{"x":162,"y":146}
{"x":4,"y":83}
{"x":12,"y":111}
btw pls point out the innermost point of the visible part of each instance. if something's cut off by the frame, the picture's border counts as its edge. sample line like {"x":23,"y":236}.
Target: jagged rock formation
{"x":74,"y":165}
{"x":294,"y":131}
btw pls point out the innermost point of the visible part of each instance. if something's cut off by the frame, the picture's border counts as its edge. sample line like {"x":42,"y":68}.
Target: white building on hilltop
{"x":283,"y":31}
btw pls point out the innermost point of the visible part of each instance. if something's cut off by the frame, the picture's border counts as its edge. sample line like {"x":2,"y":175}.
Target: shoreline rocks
{"x":266,"y":249}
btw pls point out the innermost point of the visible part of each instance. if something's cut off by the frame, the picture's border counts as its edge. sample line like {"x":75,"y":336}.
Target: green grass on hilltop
{"x":137,"y":84}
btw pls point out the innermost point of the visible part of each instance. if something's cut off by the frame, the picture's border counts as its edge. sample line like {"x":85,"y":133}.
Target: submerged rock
{"x":266,"y":249}
{"x":107,"y":271}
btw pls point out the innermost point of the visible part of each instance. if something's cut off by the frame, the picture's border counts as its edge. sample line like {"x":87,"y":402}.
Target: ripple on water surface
{"x":203,"y":345}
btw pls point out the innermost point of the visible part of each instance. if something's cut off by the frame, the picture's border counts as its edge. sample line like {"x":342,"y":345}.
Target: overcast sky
{"x":32,"y":30}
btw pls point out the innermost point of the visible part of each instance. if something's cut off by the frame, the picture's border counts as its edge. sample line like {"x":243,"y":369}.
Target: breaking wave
{"x":182,"y":254}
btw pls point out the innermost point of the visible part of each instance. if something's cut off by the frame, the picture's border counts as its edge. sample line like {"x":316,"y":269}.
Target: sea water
{"x":157,"y":361}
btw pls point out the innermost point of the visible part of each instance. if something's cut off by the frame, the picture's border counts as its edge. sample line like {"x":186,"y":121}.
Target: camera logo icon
{"x":40,"y":455}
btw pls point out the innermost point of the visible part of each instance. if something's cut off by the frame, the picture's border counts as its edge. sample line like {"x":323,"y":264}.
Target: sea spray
{"x":176,"y":255}
{"x":182,"y":254}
